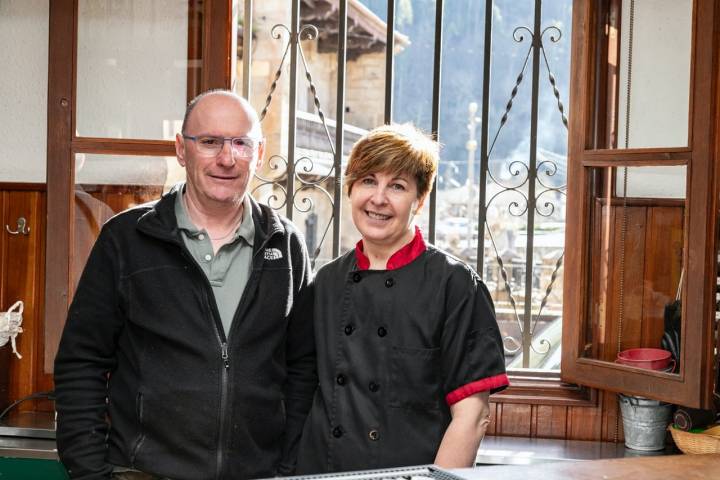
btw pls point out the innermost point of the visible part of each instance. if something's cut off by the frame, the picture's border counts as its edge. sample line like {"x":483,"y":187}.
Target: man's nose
{"x":226,"y":155}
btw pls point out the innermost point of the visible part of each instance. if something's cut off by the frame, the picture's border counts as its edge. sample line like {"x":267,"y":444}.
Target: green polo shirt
{"x":228,"y":270}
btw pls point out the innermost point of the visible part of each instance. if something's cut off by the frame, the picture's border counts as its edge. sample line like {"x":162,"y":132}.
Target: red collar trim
{"x":399,"y":259}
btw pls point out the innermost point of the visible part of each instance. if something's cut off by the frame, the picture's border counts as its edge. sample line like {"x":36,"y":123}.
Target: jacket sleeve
{"x":85,"y":358}
{"x":473,"y":359}
{"x":301,"y":381}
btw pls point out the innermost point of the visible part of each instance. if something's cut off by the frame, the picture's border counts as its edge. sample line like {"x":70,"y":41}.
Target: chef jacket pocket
{"x":415,"y":378}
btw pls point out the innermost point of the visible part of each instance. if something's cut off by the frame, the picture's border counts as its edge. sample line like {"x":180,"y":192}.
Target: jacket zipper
{"x":223,"y":406}
{"x":224,"y":352}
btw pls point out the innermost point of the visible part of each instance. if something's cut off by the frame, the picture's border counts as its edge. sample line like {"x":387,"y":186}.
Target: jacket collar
{"x":160,"y":221}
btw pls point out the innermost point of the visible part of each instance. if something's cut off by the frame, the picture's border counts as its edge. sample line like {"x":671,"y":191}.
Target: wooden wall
{"x":22,"y":265}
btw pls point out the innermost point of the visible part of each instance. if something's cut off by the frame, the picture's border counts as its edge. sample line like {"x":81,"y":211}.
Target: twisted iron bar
{"x":551,"y":77}
{"x":277,"y":36}
{"x":508,"y":291}
{"x":548,"y":291}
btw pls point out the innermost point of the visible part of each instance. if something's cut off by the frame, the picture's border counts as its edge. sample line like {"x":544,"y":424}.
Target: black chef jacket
{"x":393,"y":347}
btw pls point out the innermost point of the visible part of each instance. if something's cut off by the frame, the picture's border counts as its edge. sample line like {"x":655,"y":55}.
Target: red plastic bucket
{"x":649,"y":358}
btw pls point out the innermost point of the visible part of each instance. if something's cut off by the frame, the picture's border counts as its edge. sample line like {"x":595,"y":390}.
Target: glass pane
{"x":108,"y":184}
{"x":24,"y":30}
{"x":651,"y":182}
{"x":650,"y":53}
{"x":132,"y":67}
{"x":636,"y":274}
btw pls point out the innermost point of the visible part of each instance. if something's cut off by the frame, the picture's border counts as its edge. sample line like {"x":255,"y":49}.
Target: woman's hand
{"x":470,"y":418}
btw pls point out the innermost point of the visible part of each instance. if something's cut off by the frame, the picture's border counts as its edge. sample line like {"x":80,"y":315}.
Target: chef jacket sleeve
{"x":472,"y":351}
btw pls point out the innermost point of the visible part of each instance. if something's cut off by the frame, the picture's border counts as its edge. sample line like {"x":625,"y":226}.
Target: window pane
{"x":636,"y":268}
{"x":132,"y":68}
{"x":651,"y":182}
{"x":23,"y":83}
{"x":653,"y":51}
{"x":108,"y":184}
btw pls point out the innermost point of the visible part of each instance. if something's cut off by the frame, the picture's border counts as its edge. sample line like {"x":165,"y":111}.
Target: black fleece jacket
{"x":144,"y":348}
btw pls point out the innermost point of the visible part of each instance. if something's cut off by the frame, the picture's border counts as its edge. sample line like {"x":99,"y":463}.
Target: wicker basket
{"x":695,"y":442}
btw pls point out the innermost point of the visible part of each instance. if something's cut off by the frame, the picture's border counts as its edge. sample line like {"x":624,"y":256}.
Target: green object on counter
{"x":31,"y":469}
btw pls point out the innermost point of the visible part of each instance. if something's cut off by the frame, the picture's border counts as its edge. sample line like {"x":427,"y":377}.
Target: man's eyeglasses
{"x":209,"y":145}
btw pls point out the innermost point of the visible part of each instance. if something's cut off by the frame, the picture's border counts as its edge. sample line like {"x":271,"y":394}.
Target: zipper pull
{"x":225,"y":356}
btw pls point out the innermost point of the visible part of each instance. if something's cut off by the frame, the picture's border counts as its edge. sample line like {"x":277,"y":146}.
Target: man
{"x":181,"y":331}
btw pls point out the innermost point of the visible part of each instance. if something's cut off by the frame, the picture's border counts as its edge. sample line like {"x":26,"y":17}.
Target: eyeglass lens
{"x":213,"y":145}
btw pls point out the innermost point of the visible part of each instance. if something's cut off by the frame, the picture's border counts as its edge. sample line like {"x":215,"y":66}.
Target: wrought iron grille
{"x":526,"y":190}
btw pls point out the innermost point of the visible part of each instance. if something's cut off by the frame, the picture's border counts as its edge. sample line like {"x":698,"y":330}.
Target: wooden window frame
{"x":214,"y":40}
{"x":693,"y":386}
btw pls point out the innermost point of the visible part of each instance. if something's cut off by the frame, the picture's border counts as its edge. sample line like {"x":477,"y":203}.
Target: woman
{"x":408,"y":348}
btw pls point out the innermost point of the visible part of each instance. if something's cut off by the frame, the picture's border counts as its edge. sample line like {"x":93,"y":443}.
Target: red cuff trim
{"x":399,"y":259}
{"x":489,"y":383}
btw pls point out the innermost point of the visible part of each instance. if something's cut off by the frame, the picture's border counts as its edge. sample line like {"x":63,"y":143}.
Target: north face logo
{"x":272,"y":254}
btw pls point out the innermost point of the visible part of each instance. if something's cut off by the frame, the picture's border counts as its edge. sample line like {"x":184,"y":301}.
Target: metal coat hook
{"x":22,"y":227}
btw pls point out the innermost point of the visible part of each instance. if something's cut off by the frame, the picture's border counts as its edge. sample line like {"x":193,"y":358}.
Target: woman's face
{"x":383,"y":206}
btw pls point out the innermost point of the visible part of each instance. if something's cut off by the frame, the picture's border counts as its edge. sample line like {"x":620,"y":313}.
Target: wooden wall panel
{"x":549,"y":421}
{"x":22,"y":279}
{"x":513,"y":419}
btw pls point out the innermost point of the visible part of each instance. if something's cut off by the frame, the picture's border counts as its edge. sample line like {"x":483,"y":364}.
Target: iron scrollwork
{"x":304,"y":166}
{"x":522,"y":175}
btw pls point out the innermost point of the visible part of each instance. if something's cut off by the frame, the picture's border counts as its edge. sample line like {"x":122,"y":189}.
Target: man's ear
{"x":260,"y":154}
{"x":180,"y":149}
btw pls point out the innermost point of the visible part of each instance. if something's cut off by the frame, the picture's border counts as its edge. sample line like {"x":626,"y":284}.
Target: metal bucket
{"x":644,"y":422}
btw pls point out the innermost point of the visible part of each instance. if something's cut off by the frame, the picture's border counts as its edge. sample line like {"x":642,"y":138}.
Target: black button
{"x":374,"y":387}
{"x":389,"y":282}
{"x":374,"y":435}
{"x":356,"y":277}
{"x":337,"y":432}
{"x":382,"y":332}
{"x":341,"y":379}
{"x":349,"y":329}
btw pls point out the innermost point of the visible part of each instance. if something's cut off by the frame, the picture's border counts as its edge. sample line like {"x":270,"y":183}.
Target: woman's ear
{"x":420,"y":204}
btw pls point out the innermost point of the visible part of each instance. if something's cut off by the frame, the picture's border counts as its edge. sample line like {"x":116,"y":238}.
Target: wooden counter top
{"x":668,"y":467}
